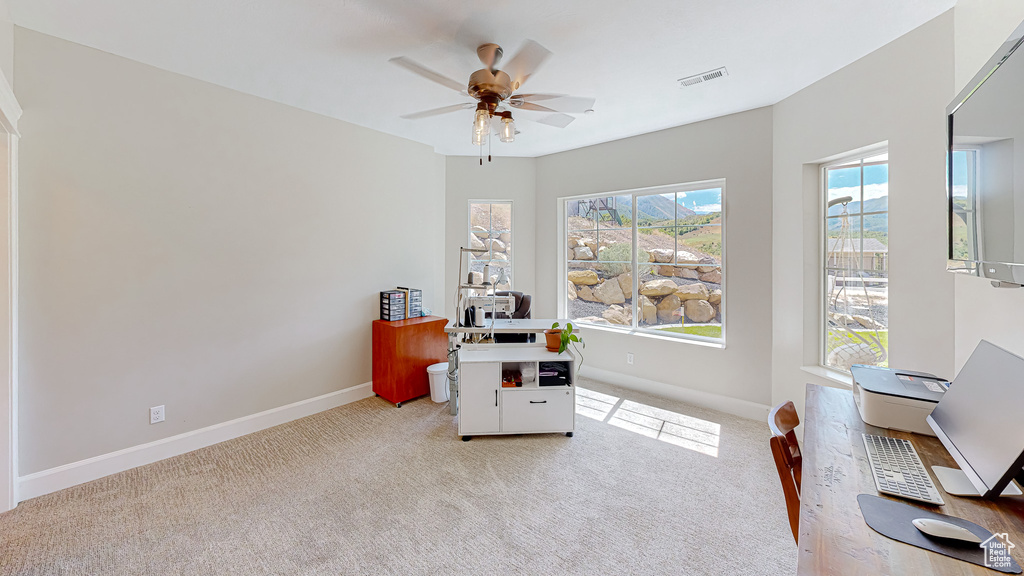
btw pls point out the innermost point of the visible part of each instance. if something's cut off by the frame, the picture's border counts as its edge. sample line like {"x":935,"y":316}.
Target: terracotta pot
{"x":554,"y":339}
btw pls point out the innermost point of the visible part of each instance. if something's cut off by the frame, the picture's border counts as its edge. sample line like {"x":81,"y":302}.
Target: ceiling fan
{"x":495,"y":92}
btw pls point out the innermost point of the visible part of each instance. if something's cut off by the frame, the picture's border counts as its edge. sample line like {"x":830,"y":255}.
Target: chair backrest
{"x":522,"y":302}
{"x":782,"y":420}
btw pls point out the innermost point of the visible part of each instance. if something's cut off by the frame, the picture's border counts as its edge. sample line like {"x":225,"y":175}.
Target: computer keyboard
{"x":898,"y":470}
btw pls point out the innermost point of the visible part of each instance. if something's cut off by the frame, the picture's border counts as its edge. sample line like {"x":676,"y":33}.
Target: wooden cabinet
{"x":485,"y":407}
{"x":402,"y":350}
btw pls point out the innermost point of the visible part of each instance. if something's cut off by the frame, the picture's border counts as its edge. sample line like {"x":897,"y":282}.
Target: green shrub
{"x":617,"y":259}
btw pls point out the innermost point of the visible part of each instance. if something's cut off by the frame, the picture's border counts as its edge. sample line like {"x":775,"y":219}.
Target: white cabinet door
{"x":537,"y":410}
{"x":478,"y":397}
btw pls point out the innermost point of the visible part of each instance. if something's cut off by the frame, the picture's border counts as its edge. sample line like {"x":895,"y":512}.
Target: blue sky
{"x":702,"y":201}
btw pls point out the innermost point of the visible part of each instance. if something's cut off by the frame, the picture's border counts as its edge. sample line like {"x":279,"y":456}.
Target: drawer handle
{"x":538,"y":401}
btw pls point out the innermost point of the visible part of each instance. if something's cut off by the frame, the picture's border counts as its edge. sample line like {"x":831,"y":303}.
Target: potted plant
{"x":558,"y":339}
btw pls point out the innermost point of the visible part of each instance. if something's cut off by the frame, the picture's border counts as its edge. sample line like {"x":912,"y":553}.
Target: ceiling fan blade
{"x":559,"y":102}
{"x":529,"y":58}
{"x":429,"y":74}
{"x":438,"y":111}
{"x":556,"y":120}
{"x":533,"y":107}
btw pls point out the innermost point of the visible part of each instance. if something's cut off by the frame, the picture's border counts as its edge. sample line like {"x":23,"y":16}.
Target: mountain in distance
{"x":651,"y":208}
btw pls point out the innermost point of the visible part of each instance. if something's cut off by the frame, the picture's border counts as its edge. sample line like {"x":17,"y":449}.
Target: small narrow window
{"x":490,"y":228}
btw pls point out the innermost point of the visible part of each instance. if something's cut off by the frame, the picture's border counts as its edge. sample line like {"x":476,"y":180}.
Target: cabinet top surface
{"x":409,"y":321}
{"x":513,"y":353}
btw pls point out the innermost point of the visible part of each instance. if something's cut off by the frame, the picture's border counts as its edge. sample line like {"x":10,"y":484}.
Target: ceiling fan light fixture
{"x":508,"y":128}
{"x":482,"y":119}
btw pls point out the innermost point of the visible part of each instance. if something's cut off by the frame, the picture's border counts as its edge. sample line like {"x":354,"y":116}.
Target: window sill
{"x":832,"y":376}
{"x":644,"y":334}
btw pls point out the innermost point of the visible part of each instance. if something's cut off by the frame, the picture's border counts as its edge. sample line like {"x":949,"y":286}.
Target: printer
{"x":896,"y":399}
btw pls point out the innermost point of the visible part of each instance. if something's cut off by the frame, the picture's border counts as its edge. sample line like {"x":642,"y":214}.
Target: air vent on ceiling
{"x":703,"y":77}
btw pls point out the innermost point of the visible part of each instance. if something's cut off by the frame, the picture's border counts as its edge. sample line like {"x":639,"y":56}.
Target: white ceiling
{"x":331,"y":57}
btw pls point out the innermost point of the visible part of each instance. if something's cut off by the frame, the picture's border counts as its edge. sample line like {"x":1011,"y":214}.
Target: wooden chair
{"x":782,"y":420}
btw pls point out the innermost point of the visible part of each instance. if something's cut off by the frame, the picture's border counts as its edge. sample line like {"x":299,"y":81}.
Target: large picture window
{"x":856,"y":263}
{"x":490,"y":228}
{"x":648,"y":260}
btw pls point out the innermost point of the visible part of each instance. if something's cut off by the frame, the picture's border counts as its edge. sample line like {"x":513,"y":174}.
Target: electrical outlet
{"x":629,"y":358}
{"x":156,"y":414}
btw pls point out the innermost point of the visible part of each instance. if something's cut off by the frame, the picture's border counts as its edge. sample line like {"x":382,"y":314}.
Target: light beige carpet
{"x":368,"y":488}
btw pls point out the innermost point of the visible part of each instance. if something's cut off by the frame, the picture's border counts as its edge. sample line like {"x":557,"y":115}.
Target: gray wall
{"x":738,"y":148}
{"x":897,"y":94}
{"x":187,"y":245}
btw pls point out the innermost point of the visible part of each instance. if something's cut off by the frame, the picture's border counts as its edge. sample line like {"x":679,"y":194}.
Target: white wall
{"x":187,"y":245}
{"x":898,"y":95}
{"x":995,"y":314}
{"x":6,"y":42}
{"x":502,"y":179}
{"x":735,"y":147}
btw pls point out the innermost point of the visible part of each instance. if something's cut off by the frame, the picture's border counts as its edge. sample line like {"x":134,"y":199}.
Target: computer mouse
{"x":943,"y":529}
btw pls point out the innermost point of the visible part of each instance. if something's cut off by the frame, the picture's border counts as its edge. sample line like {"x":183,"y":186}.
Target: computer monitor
{"x":980,"y":419}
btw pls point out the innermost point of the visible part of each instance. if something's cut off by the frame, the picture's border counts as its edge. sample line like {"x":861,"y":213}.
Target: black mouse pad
{"x":894,"y":520}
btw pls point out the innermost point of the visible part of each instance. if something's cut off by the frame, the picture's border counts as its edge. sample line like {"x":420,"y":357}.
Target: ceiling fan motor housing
{"x":485,"y":85}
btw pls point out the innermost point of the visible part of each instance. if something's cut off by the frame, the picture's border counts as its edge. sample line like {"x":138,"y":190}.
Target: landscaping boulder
{"x":479,"y":231}
{"x":665,"y":270}
{"x":593,"y":320}
{"x":617,"y":315}
{"x":571,"y":291}
{"x":475,"y":243}
{"x":692,"y":292}
{"x":659,"y":287}
{"x":495,"y":245}
{"x":585,"y":293}
{"x":626,"y":284}
{"x":583,"y":277}
{"x":668,"y":309}
{"x":715,"y":297}
{"x":583,"y":253}
{"x":686,"y":258}
{"x":864,"y":321}
{"x":647,"y":310}
{"x":709,"y":264}
{"x":573,"y":243}
{"x":609,"y":292}
{"x":499,"y":257}
{"x":699,"y":310}
{"x":688,"y":274}
{"x":661,"y":255}
{"x":592,"y":244}
{"x":715,"y":276}
{"x":505,"y":237}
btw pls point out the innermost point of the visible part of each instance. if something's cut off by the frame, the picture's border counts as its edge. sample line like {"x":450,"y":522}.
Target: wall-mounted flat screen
{"x":986,"y":169}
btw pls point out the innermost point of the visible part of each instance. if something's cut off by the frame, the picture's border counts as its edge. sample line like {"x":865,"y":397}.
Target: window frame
{"x":857,"y":159}
{"x":634,"y":193}
{"x":490,"y":228}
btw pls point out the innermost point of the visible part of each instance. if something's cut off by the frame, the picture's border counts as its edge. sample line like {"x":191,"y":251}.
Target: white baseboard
{"x":68,"y":475}
{"x":729,"y":405}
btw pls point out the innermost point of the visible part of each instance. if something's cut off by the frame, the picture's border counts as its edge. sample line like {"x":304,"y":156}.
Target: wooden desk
{"x":833,"y":536}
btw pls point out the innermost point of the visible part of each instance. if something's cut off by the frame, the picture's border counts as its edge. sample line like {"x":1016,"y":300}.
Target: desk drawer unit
{"x":537,"y":410}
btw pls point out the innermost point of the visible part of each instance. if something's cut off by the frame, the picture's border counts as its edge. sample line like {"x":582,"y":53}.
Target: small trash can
{"x":438,"y":375}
